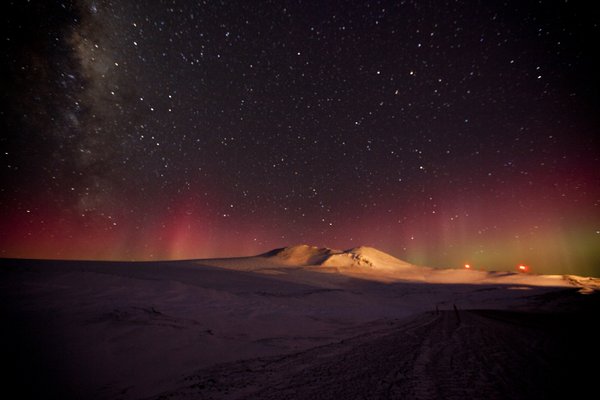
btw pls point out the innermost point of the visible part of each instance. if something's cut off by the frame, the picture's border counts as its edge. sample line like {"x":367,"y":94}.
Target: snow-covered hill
{"x":371,"y":263}
{"x":358,"y":257}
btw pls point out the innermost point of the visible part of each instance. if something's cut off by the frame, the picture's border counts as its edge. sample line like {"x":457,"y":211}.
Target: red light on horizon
{"x":523,"y":268}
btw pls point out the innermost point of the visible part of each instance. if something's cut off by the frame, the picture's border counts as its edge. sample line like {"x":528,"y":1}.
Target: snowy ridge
{"x":301,"y":255}
{"x":587,"y":284}
{"x":365,"y":257}
{"x":375,"y":264}
{"x":358,"y":257}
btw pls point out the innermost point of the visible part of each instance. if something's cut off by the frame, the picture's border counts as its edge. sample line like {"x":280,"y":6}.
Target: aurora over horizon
{"x":444,"y":134}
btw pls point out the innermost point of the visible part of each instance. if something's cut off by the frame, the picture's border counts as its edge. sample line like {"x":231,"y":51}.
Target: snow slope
{"x":444,"y":355}
{"x":108,"y":330}
{"x":369,"y":263}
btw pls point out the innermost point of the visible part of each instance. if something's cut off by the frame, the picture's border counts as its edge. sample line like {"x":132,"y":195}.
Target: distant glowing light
{"x":523,"y":268}
{"x":467,"y":266}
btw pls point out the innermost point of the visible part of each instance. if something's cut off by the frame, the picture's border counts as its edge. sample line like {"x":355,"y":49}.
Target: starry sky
{"x":444,"y":132}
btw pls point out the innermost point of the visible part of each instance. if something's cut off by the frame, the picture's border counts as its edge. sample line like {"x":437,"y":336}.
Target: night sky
{"x":442,"y":132}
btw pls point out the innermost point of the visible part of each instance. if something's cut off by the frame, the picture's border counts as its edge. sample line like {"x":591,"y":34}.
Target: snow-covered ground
{"x":116,"y":330}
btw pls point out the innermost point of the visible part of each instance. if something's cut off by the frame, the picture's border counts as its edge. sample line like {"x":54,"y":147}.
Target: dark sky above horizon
{"x":441,"y":132}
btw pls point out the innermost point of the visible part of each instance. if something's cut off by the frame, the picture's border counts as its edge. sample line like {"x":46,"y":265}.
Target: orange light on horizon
{"x":523,"y":268}
{"x":467,"y":266}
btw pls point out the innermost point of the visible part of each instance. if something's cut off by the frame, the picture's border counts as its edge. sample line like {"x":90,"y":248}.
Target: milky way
{"x":442,"y":132}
